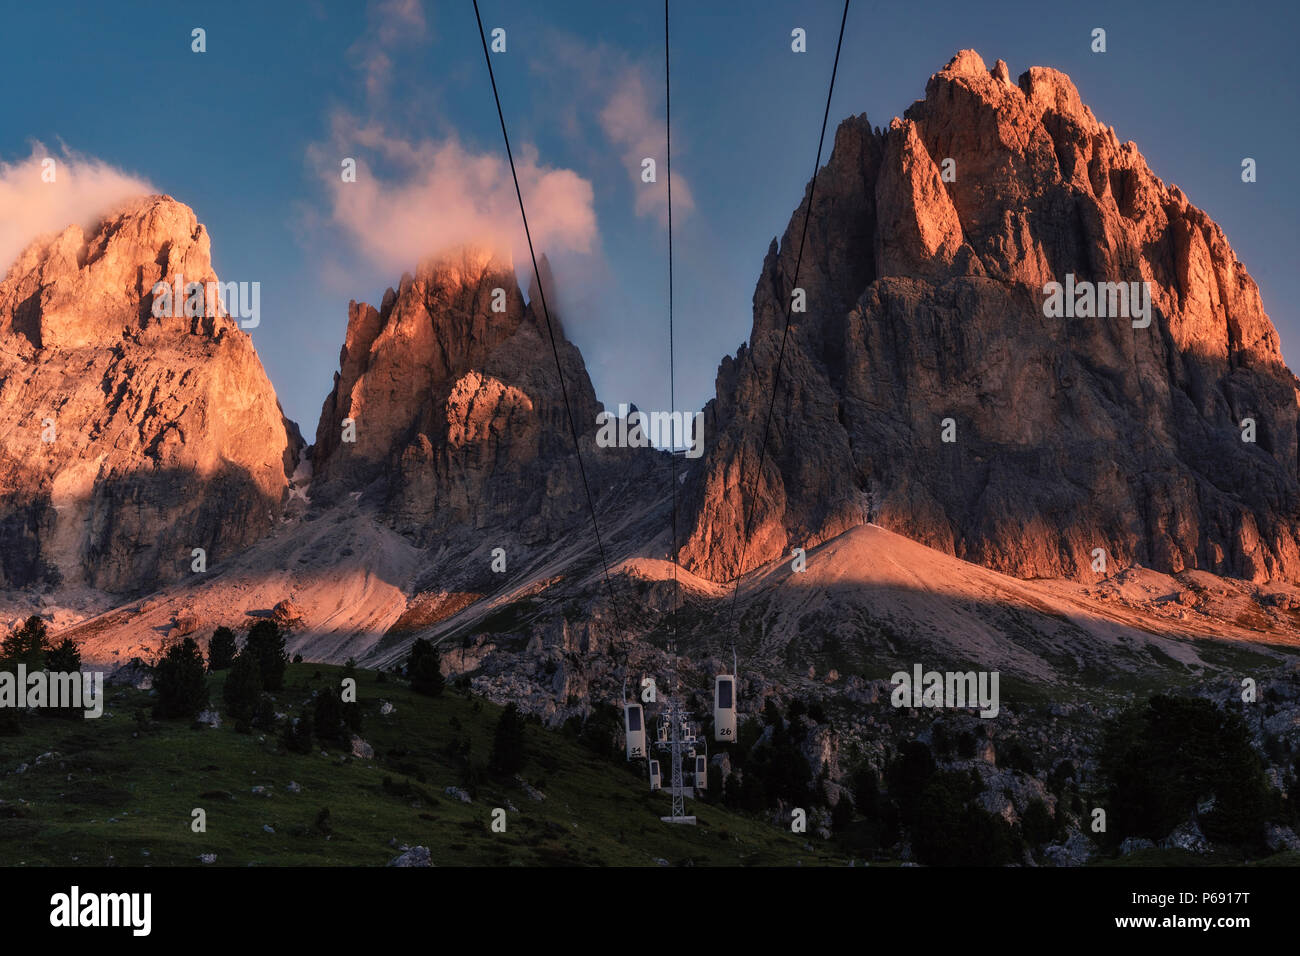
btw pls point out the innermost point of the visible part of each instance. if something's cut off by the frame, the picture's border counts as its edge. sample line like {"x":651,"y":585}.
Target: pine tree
{"x":327,"y":715}
{"x":221,"y":649}
{"x":243,"y":688}
{"x":27,"y":645}
{"x":508,"y":747}
{"x":181,"y":681}
{"x":265,"y":644}
{"x":425,"y":669}
{"x":64,"y":659}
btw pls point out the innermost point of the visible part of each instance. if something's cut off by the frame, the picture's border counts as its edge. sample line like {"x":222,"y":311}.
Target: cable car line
{"x":573,"y":428}
{"x":812,"y":192}
{"x":672,"y":381}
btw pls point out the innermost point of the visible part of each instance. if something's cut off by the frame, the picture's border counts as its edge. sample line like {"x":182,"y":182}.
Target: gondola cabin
{"x":655,"y":781}
{"x":724,"y":707}
{"x":634,"y":721}
{"x":701,"y":773}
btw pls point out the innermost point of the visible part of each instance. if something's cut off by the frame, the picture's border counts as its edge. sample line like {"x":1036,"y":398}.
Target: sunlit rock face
{"x":448,"y":406}
{"x":930,"y":246}
{"x":129,"y":440}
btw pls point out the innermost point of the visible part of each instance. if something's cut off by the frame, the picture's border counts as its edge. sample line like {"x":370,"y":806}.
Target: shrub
{"x":771,"y":712}
{"x":298,"y":734}
{"x":966,"y":745}
{"x":948,"y":831}
{"x":508,"y":746}
{"x":908,"y":775}
{"x":842,"y":814}
{"x":264,"y":713}
{"x":1016,"y":756}
{"x":782,"y":769}
{"x":865,"y":784}
{"x":602,"y":731}
{"x":327,"y":716}
{"x":942,"y":741}
{"x":1036,"y":824}
{"x":1162,"y":758}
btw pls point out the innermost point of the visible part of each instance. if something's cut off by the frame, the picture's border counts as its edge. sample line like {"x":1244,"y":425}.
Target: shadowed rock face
{"x":457,"y":408}
{"x":167,"y":433}
{"x":925,"y":302}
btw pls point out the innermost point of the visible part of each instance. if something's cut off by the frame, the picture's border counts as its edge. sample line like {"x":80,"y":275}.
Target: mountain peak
{"x":84,"y":286}
{"x":463,"y":265}
{"x":966,"y":62}
{"x":934,"y":390}
{"x":451,"y":391}
{"x":129,"y":440}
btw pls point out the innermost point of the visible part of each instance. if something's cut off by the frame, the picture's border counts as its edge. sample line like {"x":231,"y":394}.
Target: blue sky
{"x":250,"y":135}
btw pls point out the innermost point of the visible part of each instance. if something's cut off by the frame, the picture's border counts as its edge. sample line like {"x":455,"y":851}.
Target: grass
{"x":119,"y":792}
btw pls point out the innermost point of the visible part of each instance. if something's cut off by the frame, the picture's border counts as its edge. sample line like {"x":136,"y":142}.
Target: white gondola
{"x":655,"y":781}
{"x":634,"y":722}
{"x":701,"y":772}
{"x":724,"y":708}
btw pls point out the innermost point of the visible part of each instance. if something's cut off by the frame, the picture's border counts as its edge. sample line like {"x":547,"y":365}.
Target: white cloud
{"x":83,"y":191}
{"x":392,"y":23}
{"x":414,"y":199}
{"x":634,"y":124}
{"x":627,"y":98}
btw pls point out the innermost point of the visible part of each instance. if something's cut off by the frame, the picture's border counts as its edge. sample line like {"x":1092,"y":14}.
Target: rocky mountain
{"x":443,"y":476}
{"x":949,"y":448}
{"x":927,"y":389}
{"x":454,"y":405}
{"x":445,"y":437}
{"x":128,"y":440}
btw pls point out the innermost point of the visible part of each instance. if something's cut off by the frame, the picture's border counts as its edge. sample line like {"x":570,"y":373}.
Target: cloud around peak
{"x":49,"y":191}
{"x":417,"y":198}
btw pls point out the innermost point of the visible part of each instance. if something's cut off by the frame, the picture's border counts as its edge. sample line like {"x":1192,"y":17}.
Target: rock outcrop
{"x":454,"y":407}
{"x":930,"y":250}
{"x":126,"y":440}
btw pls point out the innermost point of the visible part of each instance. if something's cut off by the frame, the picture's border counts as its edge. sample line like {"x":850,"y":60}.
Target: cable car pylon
{"x":677,"y":736}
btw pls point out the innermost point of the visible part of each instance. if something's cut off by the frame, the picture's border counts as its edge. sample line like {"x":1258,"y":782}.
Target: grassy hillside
{"x":120,"y":791}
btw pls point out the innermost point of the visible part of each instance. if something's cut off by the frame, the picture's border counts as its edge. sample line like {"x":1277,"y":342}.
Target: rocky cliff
{"x":128,"y":440}
{"x":930,"y":251}
{"x":456,"y":410}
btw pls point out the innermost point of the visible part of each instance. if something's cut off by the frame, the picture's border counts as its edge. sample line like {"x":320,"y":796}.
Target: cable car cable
{"x":672,"y":380}
{"x":573,"y":428}
{"x":812,"y":192}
